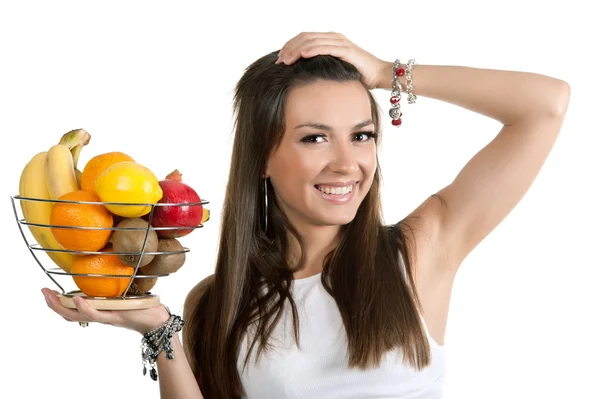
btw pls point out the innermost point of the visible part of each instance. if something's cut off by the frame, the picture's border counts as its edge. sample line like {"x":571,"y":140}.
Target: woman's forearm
{"x":175,"y":375}
{"x":506,"y":96}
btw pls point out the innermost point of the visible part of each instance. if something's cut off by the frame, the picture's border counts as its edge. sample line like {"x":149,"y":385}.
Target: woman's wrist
{"x":158,"y":340}
{"x":161,"y":317}
{"x":386,"y":76}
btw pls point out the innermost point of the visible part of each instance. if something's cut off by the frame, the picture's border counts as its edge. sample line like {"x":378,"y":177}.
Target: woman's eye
{"x":314,"y":138}
{"x":365,"y":136}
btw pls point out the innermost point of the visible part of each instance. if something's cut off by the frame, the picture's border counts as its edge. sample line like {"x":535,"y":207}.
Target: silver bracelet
{"x":396,"y":95}
{"x":412,"y":98}
{"x":157,"y":340}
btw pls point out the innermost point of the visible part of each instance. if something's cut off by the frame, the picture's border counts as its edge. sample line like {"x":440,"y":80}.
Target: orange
{"x":101,"y":264}
{"x":81,"y":215}
{"x":99,"y":164}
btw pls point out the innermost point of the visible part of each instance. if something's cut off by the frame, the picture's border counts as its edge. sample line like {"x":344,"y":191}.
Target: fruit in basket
{"x":61,"y":163}
{"x":166,"y":263}
{"x":99,"y":164}
{"x":102,"y":264}
{"x":131,"y":183}
{"x":32,"y":184}
{"x":60,"y":174}
{"x":81,"y":215}
{"x":78,"y":176}
{"x":141,"y":286}
{"x":177,"y":192}
{"x":84,"y":138}
{"x":133,"y":241}
{"x":205,"y":215}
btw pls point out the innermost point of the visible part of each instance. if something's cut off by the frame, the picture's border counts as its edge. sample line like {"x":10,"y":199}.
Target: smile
{"x":337,"y":194}
{"x":335,"y":190}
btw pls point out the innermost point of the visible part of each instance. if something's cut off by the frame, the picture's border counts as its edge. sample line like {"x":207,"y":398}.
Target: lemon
{"x":130,"y":183}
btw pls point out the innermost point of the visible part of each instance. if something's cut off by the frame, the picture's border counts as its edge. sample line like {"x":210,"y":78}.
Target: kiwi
{"x":141,"y":286}
{"x":167,"y":263}
{"x":133,"y":241}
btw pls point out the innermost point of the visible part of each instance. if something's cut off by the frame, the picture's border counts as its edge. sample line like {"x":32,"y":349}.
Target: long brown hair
{"x":252,"y":278}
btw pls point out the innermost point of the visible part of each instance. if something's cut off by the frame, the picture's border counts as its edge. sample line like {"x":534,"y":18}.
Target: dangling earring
{"x":266,"y":206}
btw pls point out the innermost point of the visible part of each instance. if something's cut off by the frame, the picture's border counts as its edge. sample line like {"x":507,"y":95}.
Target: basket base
{"x":118,"y":303}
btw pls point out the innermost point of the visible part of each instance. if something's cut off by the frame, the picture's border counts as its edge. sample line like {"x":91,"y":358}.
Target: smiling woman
{"x":313,"y":296}
{"x":326,"y":158}
{"x":282,"y":306}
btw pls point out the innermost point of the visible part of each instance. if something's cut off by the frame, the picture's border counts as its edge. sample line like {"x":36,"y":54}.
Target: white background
{"x":156,"y":81}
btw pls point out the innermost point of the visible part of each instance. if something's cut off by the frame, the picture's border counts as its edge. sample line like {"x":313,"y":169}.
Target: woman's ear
{"x":265,"y":173}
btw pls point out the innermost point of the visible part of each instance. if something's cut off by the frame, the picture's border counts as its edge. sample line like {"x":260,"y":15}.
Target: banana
{"x":79,"y":136}
{"x":205,"y":215}
{"x":78,"y":176}
{"x":60,"y":174}
{"x":32,"y":184}
{"x":61,"y":163}
{"x":51,"y":166}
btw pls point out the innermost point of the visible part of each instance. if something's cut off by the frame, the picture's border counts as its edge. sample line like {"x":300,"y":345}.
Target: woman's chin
{"x":336,"y":220}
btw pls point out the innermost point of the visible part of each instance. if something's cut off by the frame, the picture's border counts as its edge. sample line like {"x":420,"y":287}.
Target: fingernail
{"x":278,"y":60}
{"x":279,"y":53}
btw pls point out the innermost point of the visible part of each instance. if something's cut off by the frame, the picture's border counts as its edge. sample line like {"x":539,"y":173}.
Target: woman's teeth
{"x":335,"y":190}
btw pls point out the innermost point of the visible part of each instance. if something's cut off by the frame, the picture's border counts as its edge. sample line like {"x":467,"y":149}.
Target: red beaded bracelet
{"x":396,"y":95}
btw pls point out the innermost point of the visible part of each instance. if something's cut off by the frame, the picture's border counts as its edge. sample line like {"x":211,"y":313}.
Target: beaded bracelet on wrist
{"x":396,"y":94}
{"x":157,"y":340}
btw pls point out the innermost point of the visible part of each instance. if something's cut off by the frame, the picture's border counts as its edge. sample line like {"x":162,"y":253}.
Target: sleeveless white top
{"x":318,"y":369}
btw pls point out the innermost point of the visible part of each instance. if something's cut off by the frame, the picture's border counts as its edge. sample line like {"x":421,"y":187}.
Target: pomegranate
{"x":176,"y":192}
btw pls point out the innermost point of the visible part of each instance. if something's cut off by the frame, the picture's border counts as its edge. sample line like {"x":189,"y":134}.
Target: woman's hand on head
{"x":310,"y":44}
{"x":142,"y":321}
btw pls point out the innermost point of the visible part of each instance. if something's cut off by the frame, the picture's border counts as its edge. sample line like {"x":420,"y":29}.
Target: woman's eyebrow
{"x":321,"y":126}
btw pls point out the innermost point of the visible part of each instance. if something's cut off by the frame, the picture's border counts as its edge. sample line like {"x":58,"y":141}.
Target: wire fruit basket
{"x":125,"y":300}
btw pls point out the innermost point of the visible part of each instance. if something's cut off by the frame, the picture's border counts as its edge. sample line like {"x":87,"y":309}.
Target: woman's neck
{"x":318,"y":242}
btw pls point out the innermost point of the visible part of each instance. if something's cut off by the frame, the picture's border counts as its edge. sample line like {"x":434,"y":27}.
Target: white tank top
{"x":318,"y":369}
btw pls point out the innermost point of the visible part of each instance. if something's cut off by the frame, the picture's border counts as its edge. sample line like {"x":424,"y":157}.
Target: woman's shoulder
{"x":193,"y":297}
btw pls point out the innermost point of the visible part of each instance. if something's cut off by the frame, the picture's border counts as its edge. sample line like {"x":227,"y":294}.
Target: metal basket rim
{"x":158,"y":204}
{"x":38,"y":247}
{"x":114,"y":228}
{"x":58,"y":270}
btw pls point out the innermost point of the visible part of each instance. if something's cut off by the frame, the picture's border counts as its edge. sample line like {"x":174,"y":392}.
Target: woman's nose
{"x":343,"y":160}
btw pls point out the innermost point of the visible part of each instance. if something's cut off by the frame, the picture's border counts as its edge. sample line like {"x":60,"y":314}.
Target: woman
{"x":312,"y":295}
